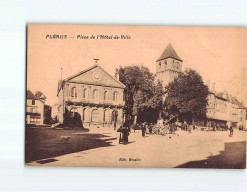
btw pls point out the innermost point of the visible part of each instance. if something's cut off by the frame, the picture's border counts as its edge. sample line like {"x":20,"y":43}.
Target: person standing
{"x":185,"y":126}
{"x":120,"y":130}
{"x":126,"y":131}
{"x":231,"y":130}
{"x":150,"y":128}
{"x":143,"y":129}
{"x":190,"y":127}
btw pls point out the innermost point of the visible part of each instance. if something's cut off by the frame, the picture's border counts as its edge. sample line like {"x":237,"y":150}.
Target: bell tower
{"x":168,"y":66}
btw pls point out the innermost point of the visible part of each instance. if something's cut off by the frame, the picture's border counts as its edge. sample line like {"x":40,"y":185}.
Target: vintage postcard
{"x":136,"y":96}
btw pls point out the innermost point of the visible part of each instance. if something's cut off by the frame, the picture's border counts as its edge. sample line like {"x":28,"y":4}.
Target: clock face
{"x":96,"y":76}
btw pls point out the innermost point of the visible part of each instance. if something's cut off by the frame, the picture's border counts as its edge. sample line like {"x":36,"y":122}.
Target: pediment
{"x":95,"y":76}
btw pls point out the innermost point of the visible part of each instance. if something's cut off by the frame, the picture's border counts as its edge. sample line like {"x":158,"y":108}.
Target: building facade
{"x":94,"y":95}
{"x":34,"y":109}
{"x":54,"y":109}
{"x":224,"y":109}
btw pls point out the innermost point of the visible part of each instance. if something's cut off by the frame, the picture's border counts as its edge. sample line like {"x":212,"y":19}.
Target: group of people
{"x":241,"y":127}
{"x":165,"y":127}
{"x":124,"y":131}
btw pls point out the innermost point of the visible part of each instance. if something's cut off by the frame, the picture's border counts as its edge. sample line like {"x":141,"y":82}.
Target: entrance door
{"x":114,"y":116}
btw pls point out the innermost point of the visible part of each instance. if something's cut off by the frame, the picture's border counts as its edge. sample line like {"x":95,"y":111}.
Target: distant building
{"x":223,"y":108}
{"x":54,"y":111}
{"x":94,"y":95}
{"x":34,"y":109}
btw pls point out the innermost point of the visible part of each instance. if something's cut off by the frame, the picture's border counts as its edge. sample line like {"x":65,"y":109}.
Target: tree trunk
{"x":135,"y":119}
{"x":159,"y":114}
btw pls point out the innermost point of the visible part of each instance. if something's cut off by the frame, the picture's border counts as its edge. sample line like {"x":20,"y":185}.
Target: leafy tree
{"x":186,"y":96}
{"x":71,"y":120}
{"x":142,"y":94}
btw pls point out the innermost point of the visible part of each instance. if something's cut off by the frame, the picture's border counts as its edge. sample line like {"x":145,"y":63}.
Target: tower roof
{"x":169,"y":53}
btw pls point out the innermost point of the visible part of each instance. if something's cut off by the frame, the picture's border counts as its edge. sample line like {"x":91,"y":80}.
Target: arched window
{"x":95,"y":94}
{"x":84,"y":93}
{"x":106,"y":95}
{"x":95,"y":115}
{"x":115,"y":96}
{"x":74,"y":92}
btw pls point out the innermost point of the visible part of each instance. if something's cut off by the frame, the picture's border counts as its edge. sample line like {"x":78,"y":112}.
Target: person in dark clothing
{"x":214,"y":127}
{"x":115,"y":125}
{"x":120,"y":135}
{"x":150,"y":128}
{"x":143,"y":130}
{"x":126,"y":132}
{"x":231,"y":131}
{"x":125,"y":136}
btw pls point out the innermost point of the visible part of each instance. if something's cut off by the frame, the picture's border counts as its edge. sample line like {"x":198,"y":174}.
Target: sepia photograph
{"x":136,"y":96}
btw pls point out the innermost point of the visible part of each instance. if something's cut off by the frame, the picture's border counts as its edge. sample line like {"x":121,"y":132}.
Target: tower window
{"x":165,"y":62}
{"x":160,"y":65}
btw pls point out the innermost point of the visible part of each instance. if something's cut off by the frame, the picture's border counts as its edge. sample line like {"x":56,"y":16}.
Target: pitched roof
{"x":90,"y":68}
{"x":30,"y":95}
{"x":169,"y":52}
{"x":231,"y":99}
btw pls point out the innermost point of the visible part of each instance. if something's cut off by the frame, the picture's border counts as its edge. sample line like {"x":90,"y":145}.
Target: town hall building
{"x":94,"y":95}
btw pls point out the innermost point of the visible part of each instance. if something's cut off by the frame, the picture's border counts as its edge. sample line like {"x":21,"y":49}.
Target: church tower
{"x":168,"y":66}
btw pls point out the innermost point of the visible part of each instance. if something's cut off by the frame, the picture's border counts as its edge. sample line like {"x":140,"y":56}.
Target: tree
{"x":72,"y":120}
{"x":186,"y":96}
{"x":142,"y":94}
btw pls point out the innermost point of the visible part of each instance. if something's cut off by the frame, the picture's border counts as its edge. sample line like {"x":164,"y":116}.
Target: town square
{"x":198,"y":149}
{"x":135,"y":115}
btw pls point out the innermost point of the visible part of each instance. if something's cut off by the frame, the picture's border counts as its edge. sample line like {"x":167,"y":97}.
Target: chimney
{"x":116,"y":74}
{"x":213,"y":87}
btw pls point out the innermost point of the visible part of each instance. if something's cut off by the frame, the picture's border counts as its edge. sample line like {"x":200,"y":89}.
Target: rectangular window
{"x":33,"y":102}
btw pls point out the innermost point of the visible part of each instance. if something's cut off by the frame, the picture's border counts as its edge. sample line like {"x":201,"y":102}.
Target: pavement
{"x":198,"y":149}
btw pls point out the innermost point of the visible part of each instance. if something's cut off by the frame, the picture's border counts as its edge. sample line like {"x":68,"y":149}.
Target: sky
{"x":217,"y":53}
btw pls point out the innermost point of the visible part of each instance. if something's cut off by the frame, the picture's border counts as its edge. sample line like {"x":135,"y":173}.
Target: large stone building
{"x":94,"y":95}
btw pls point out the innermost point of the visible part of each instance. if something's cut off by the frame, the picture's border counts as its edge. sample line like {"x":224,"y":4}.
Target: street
{"x":199,"y":149}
